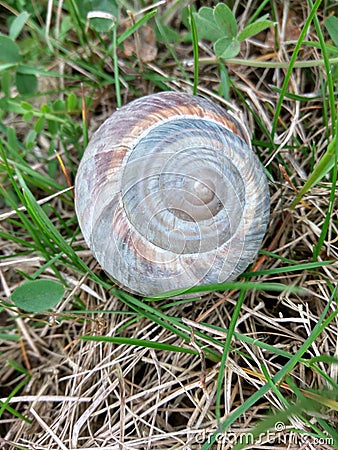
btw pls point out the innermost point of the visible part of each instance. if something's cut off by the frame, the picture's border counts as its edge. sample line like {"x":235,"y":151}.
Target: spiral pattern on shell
{"x":170,"y":195}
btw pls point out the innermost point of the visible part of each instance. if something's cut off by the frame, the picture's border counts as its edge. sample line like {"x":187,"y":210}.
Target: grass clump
{"x":253,"y":363}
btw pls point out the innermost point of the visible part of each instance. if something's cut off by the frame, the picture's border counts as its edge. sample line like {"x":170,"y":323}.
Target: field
{"x":252,"y":363}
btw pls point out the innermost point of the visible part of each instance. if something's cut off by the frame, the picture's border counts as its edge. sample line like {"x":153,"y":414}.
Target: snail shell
{"x":170,"y":195}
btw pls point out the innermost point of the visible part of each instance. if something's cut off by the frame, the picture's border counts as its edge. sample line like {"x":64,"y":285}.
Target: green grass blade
{"x":226,"y":350}
{"x":171,"y":50}
{"x":195,"y":48}
{"x":247,"y":285}
{"x":170,"y":323}
{"x":288,"y":269}
{"x":291,"y":65}
{"x":48,"y":232}
{"x":116,"y":69}
{"x":139,"y":343}
{"x":328,"y":70}
{"x":326,"y":163}
{"x":123,"y":36}
{"x":328,"y":217}
{"x":4,"y":406}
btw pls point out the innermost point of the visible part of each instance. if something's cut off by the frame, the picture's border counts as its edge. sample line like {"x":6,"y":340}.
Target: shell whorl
{"x":170,"y":195}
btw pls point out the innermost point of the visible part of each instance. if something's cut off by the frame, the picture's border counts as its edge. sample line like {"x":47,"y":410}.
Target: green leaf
{"x":331,"y":24}
{"x":26,"y":106}
{"x":171,"y":34}
{"x":6,"y":82}
{"x":88,"y":8}
{"x":225,"y":21}
{"x":18,"y":24}
{"x":40,"y":123}
{"x":66,"y":26}
{"x":4,"y":67}
{"x":30,"y":140}
{"x":38,"y":295}
{"x":9,"y":51}
{"x":206,"y":25}
{"x":71,"y":102}
{"x":227,"y":47}
{"x":26,"y":84}
{"x":28,"y":116}
{"x":254,"y":28}
{"x":102,"y":24}
{"x":207,"y":13}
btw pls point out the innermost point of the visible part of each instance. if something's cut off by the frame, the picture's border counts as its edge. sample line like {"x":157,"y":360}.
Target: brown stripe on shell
{"x":170,"y":104}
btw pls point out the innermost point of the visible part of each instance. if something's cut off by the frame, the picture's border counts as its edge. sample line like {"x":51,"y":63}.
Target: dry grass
{"x":80,"y":394}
